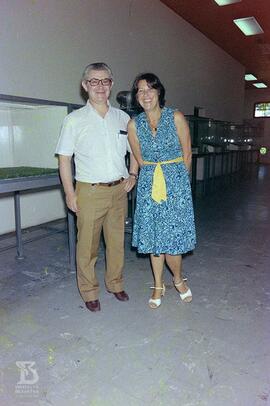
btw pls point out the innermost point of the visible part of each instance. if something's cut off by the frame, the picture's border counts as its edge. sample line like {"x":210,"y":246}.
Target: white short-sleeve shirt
{"x":99,"y":144}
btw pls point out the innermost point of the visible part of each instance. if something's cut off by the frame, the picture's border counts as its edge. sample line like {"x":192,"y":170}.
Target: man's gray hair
{"x":96,"y":66}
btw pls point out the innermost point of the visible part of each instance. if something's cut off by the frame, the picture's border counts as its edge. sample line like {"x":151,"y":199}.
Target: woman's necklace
{"x":153,"y":126}
{"x":154,"y":123}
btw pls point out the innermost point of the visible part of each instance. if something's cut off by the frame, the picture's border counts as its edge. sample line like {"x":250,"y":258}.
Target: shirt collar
{"x":89,"y":105}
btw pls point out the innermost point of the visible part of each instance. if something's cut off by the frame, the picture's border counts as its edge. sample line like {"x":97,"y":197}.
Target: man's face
{"x":98,"y":91}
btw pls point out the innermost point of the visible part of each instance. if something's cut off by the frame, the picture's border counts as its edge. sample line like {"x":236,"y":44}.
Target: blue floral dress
{"x":166,"y":227}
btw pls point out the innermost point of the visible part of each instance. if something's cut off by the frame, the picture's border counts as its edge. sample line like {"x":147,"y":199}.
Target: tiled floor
{"x":212,"y":352}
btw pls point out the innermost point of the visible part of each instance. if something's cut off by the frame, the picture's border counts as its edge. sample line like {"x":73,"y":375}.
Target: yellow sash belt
{"x":159,"y":191}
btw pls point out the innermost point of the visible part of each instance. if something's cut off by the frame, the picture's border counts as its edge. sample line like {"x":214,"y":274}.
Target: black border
{"x":258,"y":102}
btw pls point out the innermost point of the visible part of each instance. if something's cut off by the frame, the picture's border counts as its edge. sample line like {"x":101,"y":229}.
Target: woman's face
{"x":147,"y":96}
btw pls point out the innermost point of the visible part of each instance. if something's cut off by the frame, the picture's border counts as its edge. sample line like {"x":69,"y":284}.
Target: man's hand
{"x":71,"y":201}
{"x":130,"y":182}
{"x":67,"y":180}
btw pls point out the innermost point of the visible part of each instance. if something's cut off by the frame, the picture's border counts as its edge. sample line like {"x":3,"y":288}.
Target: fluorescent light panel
{"x":249,"y":26}
{"x":226,"y":2}
{"x":249,"y":77}
{"x":260,"y":85}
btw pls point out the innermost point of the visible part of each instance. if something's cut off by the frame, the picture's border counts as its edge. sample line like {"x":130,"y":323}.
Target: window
{"x":262,"y":109}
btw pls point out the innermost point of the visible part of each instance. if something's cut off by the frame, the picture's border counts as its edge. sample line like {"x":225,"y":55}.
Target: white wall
{"x":45,"y":44}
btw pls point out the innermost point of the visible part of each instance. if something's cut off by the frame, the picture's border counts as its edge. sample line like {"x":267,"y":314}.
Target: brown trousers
{"x":100,"y":207}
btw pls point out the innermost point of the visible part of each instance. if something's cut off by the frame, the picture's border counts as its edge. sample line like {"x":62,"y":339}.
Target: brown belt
{"x":114,"y":183}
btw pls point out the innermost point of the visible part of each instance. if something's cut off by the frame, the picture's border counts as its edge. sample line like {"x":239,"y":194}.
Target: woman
{"x":164,"y":219}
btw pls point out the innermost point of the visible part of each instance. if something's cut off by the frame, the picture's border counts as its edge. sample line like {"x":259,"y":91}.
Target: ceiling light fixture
{"x":226,"y":2}
{"x":260,"y":85}
{"x":249,"y":76}
{"x":249,"y":26}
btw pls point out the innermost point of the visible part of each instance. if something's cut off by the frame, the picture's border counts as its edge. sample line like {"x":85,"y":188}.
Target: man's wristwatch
{"x":133,"y":174}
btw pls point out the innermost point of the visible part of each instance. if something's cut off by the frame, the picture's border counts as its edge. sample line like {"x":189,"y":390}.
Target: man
{"x":96,"y":135}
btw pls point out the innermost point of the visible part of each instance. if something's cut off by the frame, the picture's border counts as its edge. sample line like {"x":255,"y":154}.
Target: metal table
{"x":35,"y":184}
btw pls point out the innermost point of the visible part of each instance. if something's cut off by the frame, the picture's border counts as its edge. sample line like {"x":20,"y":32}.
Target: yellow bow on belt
{"x":159,"y":190}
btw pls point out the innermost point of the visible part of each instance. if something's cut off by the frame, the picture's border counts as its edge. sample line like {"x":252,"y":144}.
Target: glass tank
{"x":215,"y":135}
{"x":29,"y":131}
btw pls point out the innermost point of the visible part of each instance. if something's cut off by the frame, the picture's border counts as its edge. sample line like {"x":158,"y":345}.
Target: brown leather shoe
{"x":93,"y":305}
{"x":122,"y":296}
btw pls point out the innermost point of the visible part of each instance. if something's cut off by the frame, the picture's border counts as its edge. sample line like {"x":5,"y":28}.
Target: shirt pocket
{"x":122,"y":142}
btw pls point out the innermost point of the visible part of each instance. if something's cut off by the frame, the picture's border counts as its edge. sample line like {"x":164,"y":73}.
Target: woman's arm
{"x":134,"y":142}
{"x":184,"y":137}
{"x":133,"y":173}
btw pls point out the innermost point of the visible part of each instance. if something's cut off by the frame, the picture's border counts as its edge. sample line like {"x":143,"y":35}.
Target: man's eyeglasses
{"x":96,"y":82}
